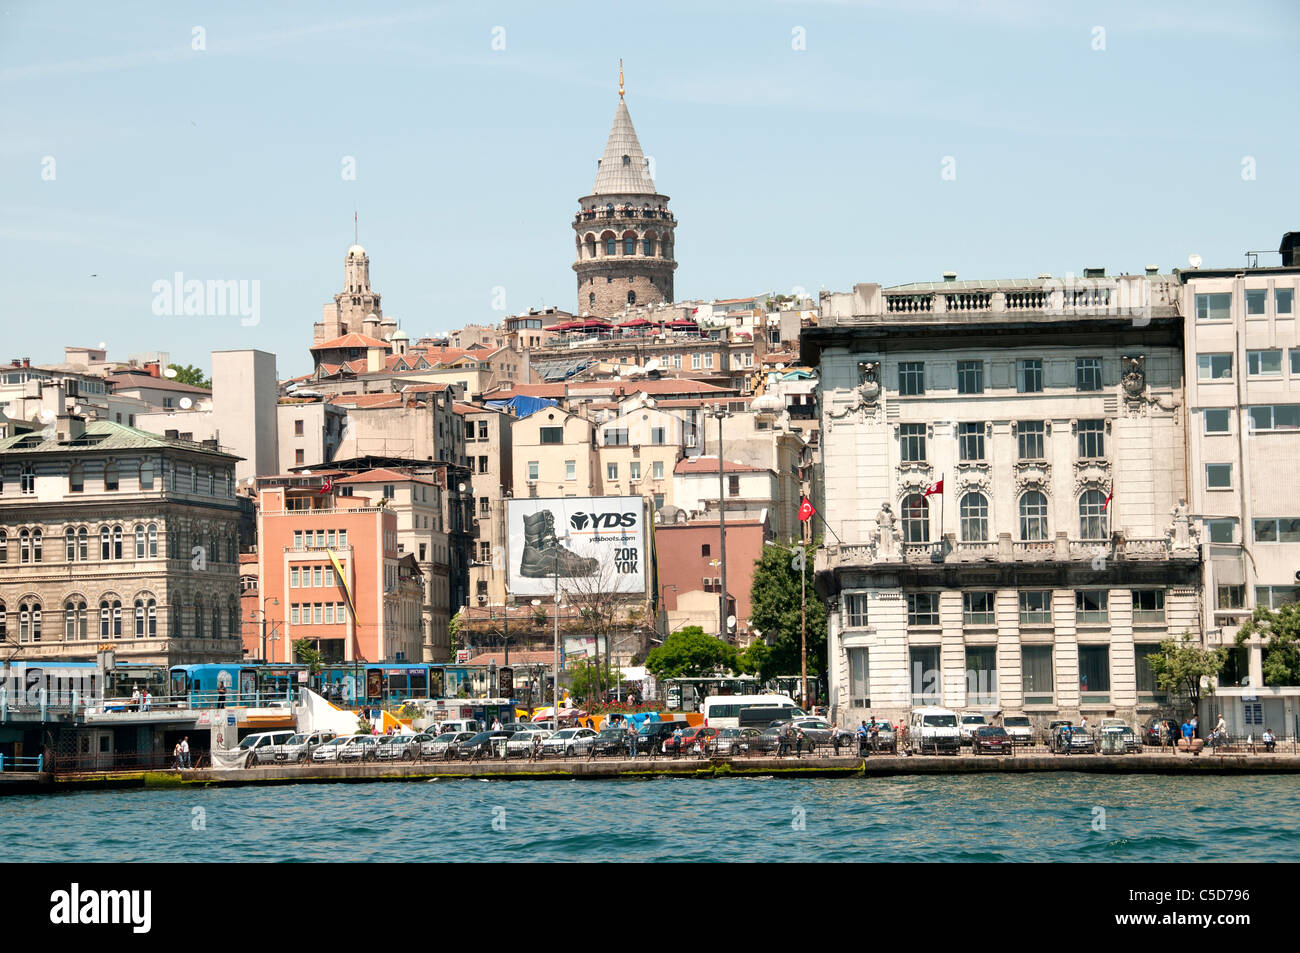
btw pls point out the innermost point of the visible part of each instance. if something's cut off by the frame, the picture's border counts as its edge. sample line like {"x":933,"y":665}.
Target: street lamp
{"x":274,"y":637}
{"x":720,"y":413}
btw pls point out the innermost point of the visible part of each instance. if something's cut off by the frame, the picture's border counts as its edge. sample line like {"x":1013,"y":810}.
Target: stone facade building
{"x":1051,"y":415}
{"x":111,"y":536}
{"x":623,"y":229}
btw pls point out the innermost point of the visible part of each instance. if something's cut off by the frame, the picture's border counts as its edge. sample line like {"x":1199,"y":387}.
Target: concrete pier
{"x":643,"y":768}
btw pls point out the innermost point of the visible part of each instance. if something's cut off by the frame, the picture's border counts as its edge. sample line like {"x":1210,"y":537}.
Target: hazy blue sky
{"x":814,"y":167}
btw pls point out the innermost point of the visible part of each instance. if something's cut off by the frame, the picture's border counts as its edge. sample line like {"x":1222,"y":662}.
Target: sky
{"x":804,"y":145}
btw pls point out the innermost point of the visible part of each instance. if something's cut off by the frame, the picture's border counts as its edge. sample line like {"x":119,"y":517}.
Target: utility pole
{"x":803,"y":614}
{"x":723,"y":631}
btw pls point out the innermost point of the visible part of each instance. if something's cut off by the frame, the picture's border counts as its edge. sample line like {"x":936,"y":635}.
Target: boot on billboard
{"x":543,"y":554}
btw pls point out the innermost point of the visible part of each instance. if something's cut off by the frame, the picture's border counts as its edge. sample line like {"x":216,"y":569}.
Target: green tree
{"x":774,"y":611}
{"x":690,"y":653}
{"x":308,"y":654}
{"x":754,"y":658}
{"x":1280,"y":630}
{"x":1180,"y":665}
{"x":591,"y":680}
{"x":189,"y":374}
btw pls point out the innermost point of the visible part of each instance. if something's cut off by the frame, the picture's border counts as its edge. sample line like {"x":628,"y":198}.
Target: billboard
{"x":594,"y":544}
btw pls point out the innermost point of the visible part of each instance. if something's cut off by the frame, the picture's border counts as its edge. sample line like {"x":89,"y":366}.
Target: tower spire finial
{"x":620,"y":79}
{"x":355,"y":240}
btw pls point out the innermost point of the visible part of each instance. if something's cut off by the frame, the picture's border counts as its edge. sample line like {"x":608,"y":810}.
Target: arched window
{"x":110,"y":618}
{"x":974,"y":518}
{"x":29,"y":620}
{"x":629,"y":244}
{"x":83,"y":544}
{"x":1033,"y":516}
{"x":36,"y":545}
{"x":139,"y":541}
{"x":105,"y":543}
{"x":153,"y":540}
{"x":916,"y":519}
{"x":76,"y":478}
{"x":4,"y":622}
{"x":110,"y":477}
{"x":146,"y":617}
{"x":631,"y":297}
{"x":611,"y":246}
{"x":70,"y":544}
{"x":24,"y":546}
{"x":647,"y":246}
{"x":117,"y":542}
{"x":74,"y":619}
{"x":146,"y":475}
{"x":198,"y":618}
{"x":591,"y":300}
{"x":234,"y":618}
{"x":216,"y":621}
{"x":4,"y":546}
{"x":1092,"y":515}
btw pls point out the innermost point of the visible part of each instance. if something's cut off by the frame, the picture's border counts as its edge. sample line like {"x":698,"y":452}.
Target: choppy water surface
{"x":1050,"y":817}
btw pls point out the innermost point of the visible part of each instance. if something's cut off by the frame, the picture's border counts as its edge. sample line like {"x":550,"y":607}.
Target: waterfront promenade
{"x":828,"y":766}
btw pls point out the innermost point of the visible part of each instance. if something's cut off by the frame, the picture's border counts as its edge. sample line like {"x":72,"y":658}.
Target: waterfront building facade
{"x":111,"y":536}
{"x":1056,"y":554}
{"x":1243,"y":373}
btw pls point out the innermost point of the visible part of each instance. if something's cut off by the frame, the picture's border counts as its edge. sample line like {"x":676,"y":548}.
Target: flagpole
{"x":941,"y":496}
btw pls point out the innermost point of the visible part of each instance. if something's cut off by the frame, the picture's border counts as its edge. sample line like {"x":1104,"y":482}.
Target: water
{"x":1049,"y":817}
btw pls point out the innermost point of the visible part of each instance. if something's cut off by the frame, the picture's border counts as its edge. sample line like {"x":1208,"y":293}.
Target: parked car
{"x":933,"y":730}
{"x":886,"y":738}
{"x":522,"y":742}
{"x":1132,"y":741}
{"x":444,"y":745}
{"x":611,"y":742}
{"x":400,"y":747}
{"x":261,"y":746}
{"x":991,"y":738}
{"x":765,"y":742}
{"x":358,"y":748}
{"x":733,"y":742}
{"x":1069,"y":739}
{"x":329,"y":751}
{"x":692,"y":739}
{"x":969,"y":722}
{"x":1152,"y":731}
{"x":818,"y":731}
{"x":1052,"y":727}
{"x":300,"y":746}
{"x":485,"y":744}
{"x":569,"y":742}
{"x":652,"y":734}
{"x":471,"y":725}
{"x":1019,"y":728}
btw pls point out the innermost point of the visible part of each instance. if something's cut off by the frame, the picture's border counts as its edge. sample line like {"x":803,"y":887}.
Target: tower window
{"x":631,"y":297}
{"x":629,"y":245}
{"x":591,"y":299}
{"x":627,"y":160}
{"x":611,"y":246}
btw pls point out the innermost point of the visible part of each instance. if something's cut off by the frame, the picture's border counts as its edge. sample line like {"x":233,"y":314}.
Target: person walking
{"x":1188,"y":734}
{"x":874,"y":730}
{"x":1163,"y":733}
{"x":221,"y":696}
{"x":631,"y":739}
{"x":677,"y":742}
{"x":1221,"y":728}
{"x":135,"y":698}
{"x":148,"y":699}
{"x":863,"y":735}
{"x":1193,"y":723}
{"x":176,"y":756}
{"x":185,"y":752}
{"x":798,"y":743}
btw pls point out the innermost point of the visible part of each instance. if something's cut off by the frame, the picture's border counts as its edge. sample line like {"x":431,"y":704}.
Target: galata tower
{"x":624,"y":230}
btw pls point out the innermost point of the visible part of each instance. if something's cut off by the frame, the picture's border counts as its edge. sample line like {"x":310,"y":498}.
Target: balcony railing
{"x":1000,"y":550}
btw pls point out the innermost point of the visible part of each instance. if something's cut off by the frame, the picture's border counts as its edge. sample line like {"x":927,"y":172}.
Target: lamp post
{"x":253,"y":616}
{"x":720,"y":413}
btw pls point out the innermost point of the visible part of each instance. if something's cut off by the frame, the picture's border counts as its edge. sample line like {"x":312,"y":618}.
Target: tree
{"x":603,"y":612}
{"x":189,"y":374}
{"x":305,"y":652}
{"x":690,"y":653}
{"x":590,"y":680}
{"x":774,"y":611}
{"x":754,"y":658}
{"x":1280,"y":630}
{"x":1180,"y":665}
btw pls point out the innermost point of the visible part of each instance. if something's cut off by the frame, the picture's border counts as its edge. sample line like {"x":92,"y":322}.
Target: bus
{"x":58,"y":684}
{"x":246,"y":683}
{"x":724,"y":711}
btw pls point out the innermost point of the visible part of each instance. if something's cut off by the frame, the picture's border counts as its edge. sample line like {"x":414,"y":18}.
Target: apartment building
{"x":490,"y":452}
{"x":553,"y":452}
{"x":1243,"y":423}
{"x":637,"y":451}
{"x":113,"y":536}
{"x":1003,"y":462}
{"x":329,"y":570}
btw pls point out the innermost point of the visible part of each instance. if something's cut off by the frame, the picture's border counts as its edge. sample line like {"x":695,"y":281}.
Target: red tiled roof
{"x":126,"y":381}
{"x":710,"y":465}
{"x":352,"y":339}
{"x":387,"y":475}
{"x":368,"y":400}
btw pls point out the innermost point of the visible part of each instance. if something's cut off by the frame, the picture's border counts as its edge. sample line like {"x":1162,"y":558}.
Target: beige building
{"x":553,"y":453}
{"x":113,"y":536}
{"x":1020,"y":587}
{"x":490,"y":451}
{"x":1243,"y":425}
{"x":637,"y":450}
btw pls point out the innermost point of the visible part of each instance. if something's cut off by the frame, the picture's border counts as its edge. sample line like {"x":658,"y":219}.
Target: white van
{"x":461,"y":724}
{"x":933,"y":730}
{"x":261,"y":747}
{"x":723,"y":711}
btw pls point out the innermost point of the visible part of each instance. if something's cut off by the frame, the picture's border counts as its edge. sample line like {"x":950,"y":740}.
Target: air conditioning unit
{"x":690,"y":440}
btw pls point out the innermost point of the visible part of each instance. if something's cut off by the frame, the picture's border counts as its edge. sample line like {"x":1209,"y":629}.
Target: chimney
{"x":27,"y":362}
{"x":153,"y":369}
{"x":1290,"y":249}
{"x":1096,"y":271}
{"x":950,"y":276}
{"x":1153,"y":269}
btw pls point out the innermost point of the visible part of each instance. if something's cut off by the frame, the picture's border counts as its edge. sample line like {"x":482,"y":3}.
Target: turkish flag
{"x":326,"y":486}
{"x":934,"y":488}
{"x":806,"y":510}
{"x":1109,"y":495}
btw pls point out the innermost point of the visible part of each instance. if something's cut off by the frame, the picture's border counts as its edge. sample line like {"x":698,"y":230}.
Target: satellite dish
{"x":731,"y":622}
{"x":76,"y":408}
{"x":461,"y":487}
{"x":186,"y":403}
{"x":102,"y":345}
{"x":652,"y":365}
{"x":169,"y":372}
{"x":1194,"y":260}
{"x":306,"y":473}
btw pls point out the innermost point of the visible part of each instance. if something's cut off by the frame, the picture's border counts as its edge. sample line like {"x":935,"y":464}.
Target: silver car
{"x":523,"y":742}
{"x":570,"y":742}
{"x":399,"y":747}
{"x":444,"y":745}
{"x":300,"y":746}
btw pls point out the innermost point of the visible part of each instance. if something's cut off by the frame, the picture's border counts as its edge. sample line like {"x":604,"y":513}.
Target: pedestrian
{"x":185,"y":752}
{"x":135,"y":698}
{"x":1221,"y":728}
{"x":631,"y":739}
{"x":1270,"y":740}
{"x":1163,"y":733}
{"x":863,"y":735}
{"x":875,"y":735}
{"x":221,"y":696}
{"x":1083,"y":723}
{"x":798,"y":743}
{"x":677,"y":742}
{"x":1193,"y":724}
{"x":496,"y":724}
{"x":1188,"y":733}
{"x":147,"y":699}
{"x":176,"y":756}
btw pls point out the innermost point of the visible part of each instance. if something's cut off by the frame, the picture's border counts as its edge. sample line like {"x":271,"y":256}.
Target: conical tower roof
{"x":623,"y":169}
